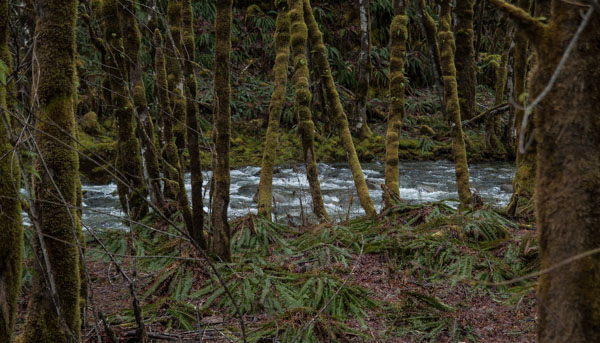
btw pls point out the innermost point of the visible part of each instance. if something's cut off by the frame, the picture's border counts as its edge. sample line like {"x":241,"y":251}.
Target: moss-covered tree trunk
{"x":174,"y":74}
{"x":193,"y":144}
{"x":335,"y":106}
{"x":280,"y":70}
{"x":222,"y":132}
{"x":11,"y":228}
{"x":493,"y":122}
{"x":131,"y":43}
{"x":521,"y":201}
{"x":303,"y":97}
{"x":567,"y":131}
{"x":364,"y":71}
{"x":465,"y":58}
{"x":53,"y":314}
{"x":446,"y":41}
{"x":130,"y":186}
{"x":398,"y":35}
{"x":174,"y":184}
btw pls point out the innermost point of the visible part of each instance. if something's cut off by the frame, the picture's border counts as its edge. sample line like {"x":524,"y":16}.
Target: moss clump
{"x":89,"y":123}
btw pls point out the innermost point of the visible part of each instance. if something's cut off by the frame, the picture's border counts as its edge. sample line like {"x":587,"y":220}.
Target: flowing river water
{"x":420,"y":181}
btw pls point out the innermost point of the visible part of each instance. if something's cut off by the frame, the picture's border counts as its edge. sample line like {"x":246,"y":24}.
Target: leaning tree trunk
{"x":333,"y":101}
{"x":465,"y":58}
{"x":188,"y":53}
{"x":398,"y":34}
{"x":130,"y":185}
{"x":53,"y":313}
{"x":524,"y":180}
{"x":446,"y":41}
{"x":222,"y":134}
{"x":306,"y":126}
{"x":567,"y":131}
{"x":282,"y":47}
{"x":11,"y":228}
{"x":364,"y":71}
{"x":131,"y":43}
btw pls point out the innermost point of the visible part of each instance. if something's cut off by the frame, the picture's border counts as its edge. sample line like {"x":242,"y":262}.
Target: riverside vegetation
{"x":141,"y":93}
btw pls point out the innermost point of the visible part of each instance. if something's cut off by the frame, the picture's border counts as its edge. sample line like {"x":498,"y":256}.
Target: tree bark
{"x":11,"y":227}
{"x":333,"y":100}
{"x":567,"y":131}
{"x":222,"y":132}
{"x":53,"y":314}
{"x":364,"y":71}
{"x":465,"y":58}
{"x":280,"y":70}
{"x":446,"y":41}
{"x":398,"y":35}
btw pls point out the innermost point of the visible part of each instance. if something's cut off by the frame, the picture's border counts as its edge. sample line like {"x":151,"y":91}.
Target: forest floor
{"x":422,"y":273}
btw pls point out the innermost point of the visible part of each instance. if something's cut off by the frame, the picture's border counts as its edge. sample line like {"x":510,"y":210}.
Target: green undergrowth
{"x":312,"y":282}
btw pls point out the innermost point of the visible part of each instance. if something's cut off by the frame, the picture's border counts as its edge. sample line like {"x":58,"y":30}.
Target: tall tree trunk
{"x":465,"y":58}
{"x":446,"y":41}
{"x":524,"y":181}
{"x":567,"y":131}
{"x":193,"y":144}
{"x":280,"y":70}
{"x":129,"y":161}
{"x":175,"y":76}
{"x":492,"y":122}
{"x":333,"y":100}
{"x":398,"y":34}
{"x":306,"y":126}
{"x":364,"y":71}
{"x":173,"y":171}
{"x":11,"y":228}
{"x":53,"y":314}
{"x":131,"y":43}
{"x":222,"y":132}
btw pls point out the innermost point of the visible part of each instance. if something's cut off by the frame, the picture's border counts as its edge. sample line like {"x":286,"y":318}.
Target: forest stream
{"x":420,"y":181}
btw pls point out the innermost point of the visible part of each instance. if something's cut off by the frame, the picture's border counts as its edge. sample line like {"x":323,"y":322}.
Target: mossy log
{"x":333,"y":100}
{"x":11,"y":227}
{"x":567,"y":132}
{"x":280,"y":70}
{"x":446,"y":41}
{"x":398,"y":36}
{"x":53,"y":313}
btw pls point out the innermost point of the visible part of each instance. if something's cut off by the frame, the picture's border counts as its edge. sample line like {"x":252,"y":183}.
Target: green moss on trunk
{"x":446,"y":41}
{"x":11,"y":228}
{"x":174,"y":73}
{"x":465,"y":58}
{"x":333,"y":100}
{"x":280,"y":69}
{"x":222,"y":132}
{"x":193,"y":143}
{"x":54,"y":77}
{"x":398,"y":34}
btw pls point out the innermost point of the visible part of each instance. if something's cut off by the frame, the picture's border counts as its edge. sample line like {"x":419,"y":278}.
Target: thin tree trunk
{"x":129,"y":161}
{"x":306,"y":126}
{"x":131,"y":43}
{"x":398,"y":35}
{"x":175,"y":76}
{"x":280,"y":70}
{"x":465,"y":58}
{"x":333,"y":100}
{"x":446,"y":40}
{"x":567,"y":131}
{"x":53,"y":312}
{"x":364,"y":71}
{"x":193,"y":144}
{"x":524,"y":180}
{"x":222,"y":132}
{"x":11,"y":227}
